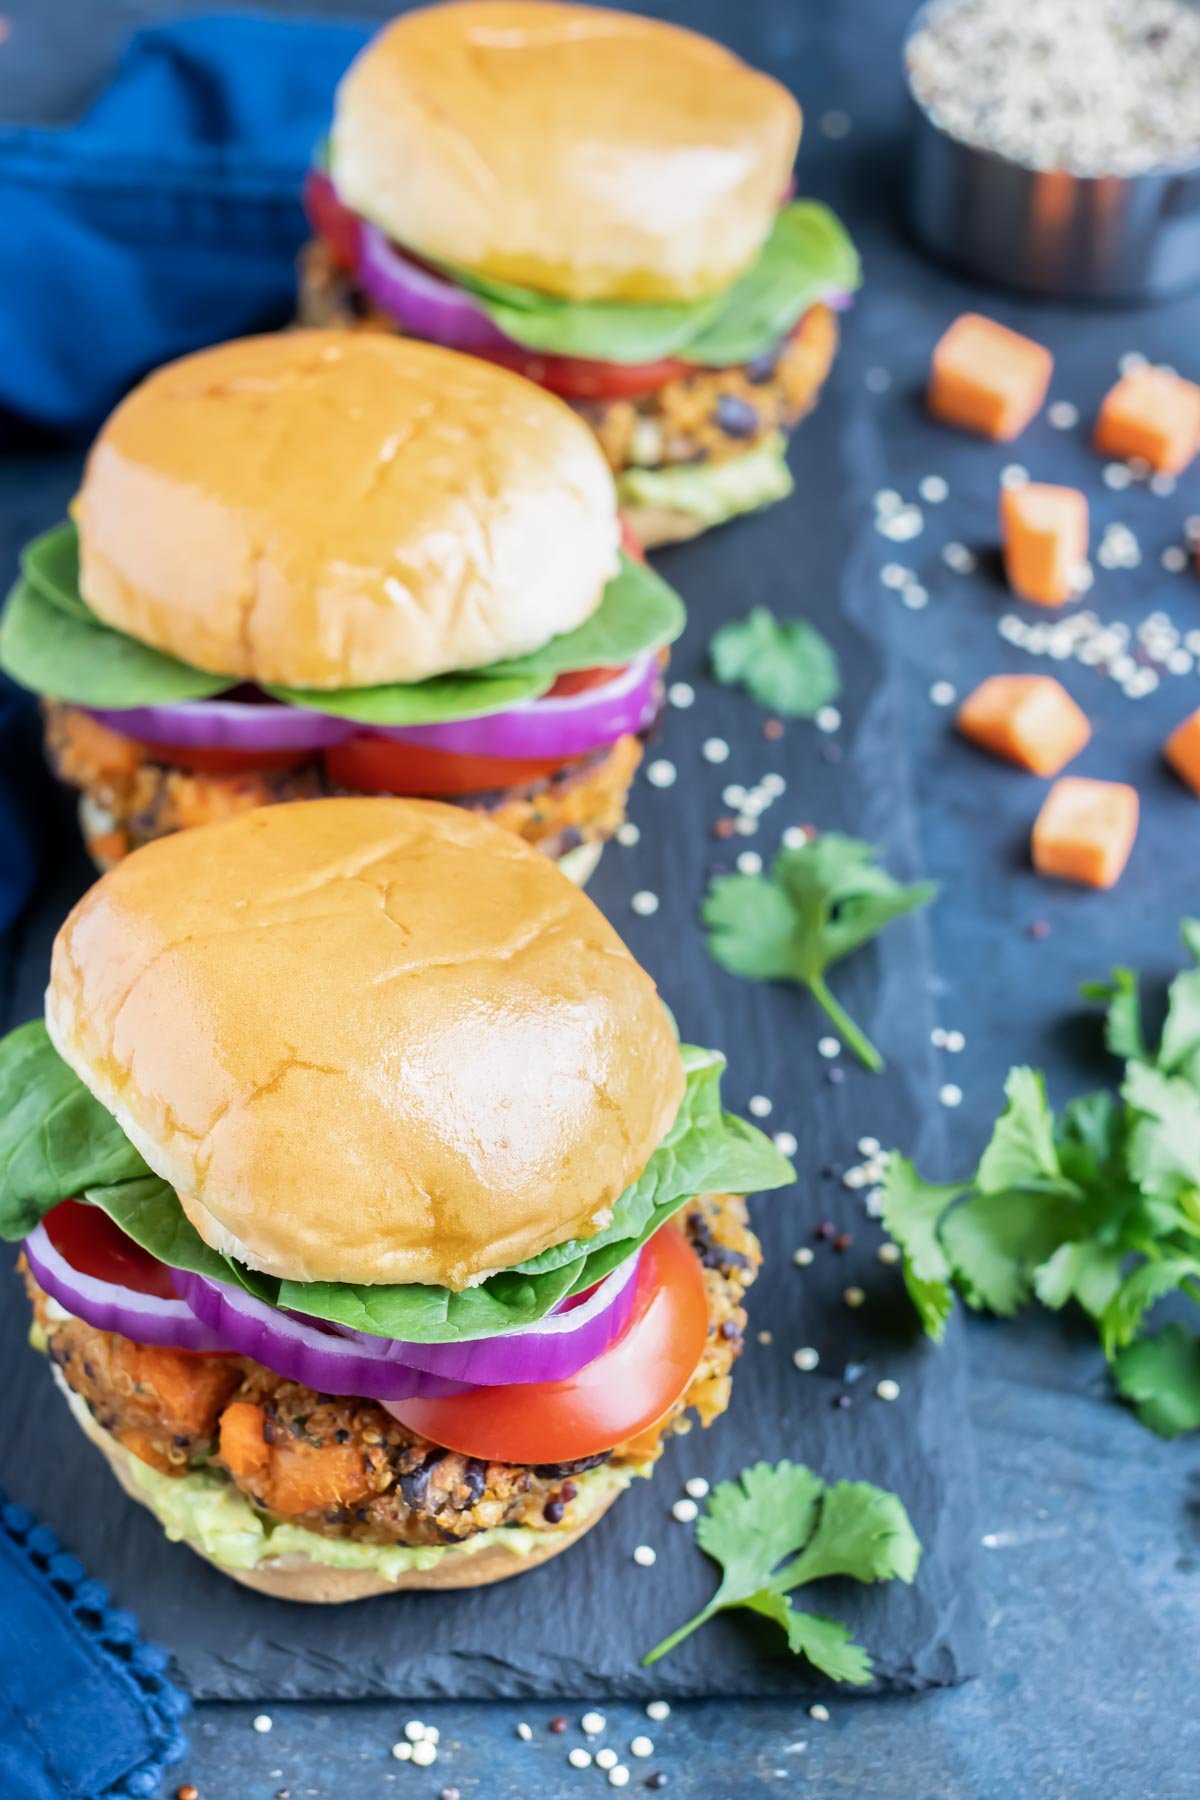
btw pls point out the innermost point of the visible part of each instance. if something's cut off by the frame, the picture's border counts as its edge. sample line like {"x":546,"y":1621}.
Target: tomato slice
{"x":330,"y":219}
{"x":224,"y":762}
{"x":93,"y":1245}
{"x":378,"y":765}
{"x":627,"y":1389}
{"x":579,"y":378}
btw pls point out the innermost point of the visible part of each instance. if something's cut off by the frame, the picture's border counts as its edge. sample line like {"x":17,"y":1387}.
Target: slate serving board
{"x":580,"y":1625}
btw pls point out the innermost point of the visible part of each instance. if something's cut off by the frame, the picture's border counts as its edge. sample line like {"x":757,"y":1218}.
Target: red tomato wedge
{"x":378,"y":765}
{"x":626,"y":1390}
{"x":578,"y":378}
{"x":93,"y":1245}
{"x":330,"y":219}
{"x":224,"y":762}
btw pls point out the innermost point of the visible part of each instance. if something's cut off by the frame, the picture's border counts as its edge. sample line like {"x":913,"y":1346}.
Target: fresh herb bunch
{"x":785,"y":664}
{"x":1100,"y":1205}
{"x":816,"y":905}
{"x":775,"y":1529}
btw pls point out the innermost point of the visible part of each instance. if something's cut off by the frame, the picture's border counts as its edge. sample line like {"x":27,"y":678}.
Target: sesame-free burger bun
{"x":366,"y":1040}
{"x":334,"y":510}
{"x":591,"y":154}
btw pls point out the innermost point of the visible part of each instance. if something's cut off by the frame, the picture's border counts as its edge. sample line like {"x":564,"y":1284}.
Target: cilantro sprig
{"x":784,"y":664}
{"x":817,"y":904}
{"x":1098,"y":1205}
{"x":778,"y":1527}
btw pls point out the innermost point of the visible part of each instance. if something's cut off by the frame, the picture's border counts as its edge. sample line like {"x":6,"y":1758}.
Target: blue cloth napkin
{"x":168,"y":217}
{"x":86,"y":1710}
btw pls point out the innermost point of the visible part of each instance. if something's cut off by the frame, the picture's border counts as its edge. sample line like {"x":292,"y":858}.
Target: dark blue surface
{"x":1090,"y":1525}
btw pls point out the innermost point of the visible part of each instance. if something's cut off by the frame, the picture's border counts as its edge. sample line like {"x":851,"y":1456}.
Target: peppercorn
{"x":187,"y":1792}
{"x":558,"y":1725}
{"x":842,"y":1241}
{"x":824,"y":1230}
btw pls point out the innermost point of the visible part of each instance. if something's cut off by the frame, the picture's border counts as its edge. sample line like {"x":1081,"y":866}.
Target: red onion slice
{"x":227,"y":725}
{"x":335,"y":1361}
{"x":145,"y":1318}
{"x":567,"y":726}
{"x":565,"y":1341}
{"x":424,"y":303}
{"x":301,"y":1350}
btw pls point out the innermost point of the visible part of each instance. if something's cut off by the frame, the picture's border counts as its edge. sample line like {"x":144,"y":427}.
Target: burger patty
{"x":710,"y":415}
{"x":344,"y":1467}
{"x":129,"y":798}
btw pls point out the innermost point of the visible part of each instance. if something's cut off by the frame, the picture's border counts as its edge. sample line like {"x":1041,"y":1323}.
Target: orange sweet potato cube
{"x":1085,"y":831}
{"x":1153,"y":414}
{"x":986,"y":378}
{"x":1029,"y":719}
{"x":1182,"y":750}
{"x":1044,"y":532}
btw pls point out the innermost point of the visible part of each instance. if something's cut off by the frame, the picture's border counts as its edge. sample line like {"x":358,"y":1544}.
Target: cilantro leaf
{"x":1123,"y":1021}
{"x":1022,"y":1151}
{"x":825,"y":1642}
{"x":912,"y":1211}
{"x":1085,"y":1270}
{"x":996,"y":1241}
{"x":1164,"y":1138}
{"x":785,"y":664}
{"x":1179,"y":1048}
{"x":816,"y":905}
{"x":1161,"y":1376}
{"x":1122,"y":1317}
{"x":779,"y":1527}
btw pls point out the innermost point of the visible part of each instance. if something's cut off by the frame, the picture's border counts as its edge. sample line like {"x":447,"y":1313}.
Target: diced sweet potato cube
{"x":986,"y":378}
{"x":1044,"y":531}
{"x":1153,"y":414}
{"x":1030,"y":719}
{"x":1085,"y":831}
{"x":1182,"y":750}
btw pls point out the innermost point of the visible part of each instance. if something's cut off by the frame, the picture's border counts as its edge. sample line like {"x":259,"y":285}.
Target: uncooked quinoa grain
{"x":1093,"y":87}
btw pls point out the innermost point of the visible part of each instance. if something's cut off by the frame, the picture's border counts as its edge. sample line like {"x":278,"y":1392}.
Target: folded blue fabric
{"x":86,"y":1710}
{"x":168,"y":217}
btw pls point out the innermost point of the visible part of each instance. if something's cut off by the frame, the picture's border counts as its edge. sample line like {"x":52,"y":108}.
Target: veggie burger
{"x":314,"y":564}
{"x":375,"y":1224}
{"x":600,"y":202}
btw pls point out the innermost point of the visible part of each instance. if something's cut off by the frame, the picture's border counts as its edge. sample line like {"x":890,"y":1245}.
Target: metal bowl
{"x":1116,"y":238}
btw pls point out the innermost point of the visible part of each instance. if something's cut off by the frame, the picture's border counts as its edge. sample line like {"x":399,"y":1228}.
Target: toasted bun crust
{"x":588,"y":153}
{"x":315,"y":1583}
{"x":366,"y":1040}
{"x":332,"y":510}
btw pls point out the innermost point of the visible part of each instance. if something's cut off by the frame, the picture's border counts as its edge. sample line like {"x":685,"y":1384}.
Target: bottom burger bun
{"x":318,"y":1584}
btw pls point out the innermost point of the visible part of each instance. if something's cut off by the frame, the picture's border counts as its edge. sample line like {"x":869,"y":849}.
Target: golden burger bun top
{"x":366,"y":1040}
{"x":335,"y":510}
{"x":590,"y":154}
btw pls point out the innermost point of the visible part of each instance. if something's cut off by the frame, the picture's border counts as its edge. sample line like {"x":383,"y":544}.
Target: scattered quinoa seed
{"x":424,"y":1754}
{"x":951,"y":1094}
{"x":262,"y":1722}
{"x":888,"y":1253}
{"x":1063,"y":415}
{"x":819,"y":1713}
{"x":760,"y":1106}
{"x":628,"y":833}
{"x":805,"y":1359}
{"x":785,"y":1143}
{"x":685,"y":1511}
{"x":802,"y":1257}
{"x":828,"y":1047}
{"x":618,"y":1777}
{"x":658,"y":1710}
{"x":607,"y":1758}
{"x":943,"y":693}
{"x":645,"y":1556}
{"x":681,"y":694}
{"x":697,"y":1487}
{"x":887,"y":1389}
{"x":933,"y":488}
{"x":854,"y":1297}
{"x":579,"y":1758}
{"x":644,"y":903}
{"x":715,"y":750}
{"x":592,"y":1724}
{"x":749,"y":862}
{"x":641,"y":1746}
{"x":524,"y":1732}
{"x":414,"y":1731}
{"x":402,"y":1752}
{"x":661,"y":774}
